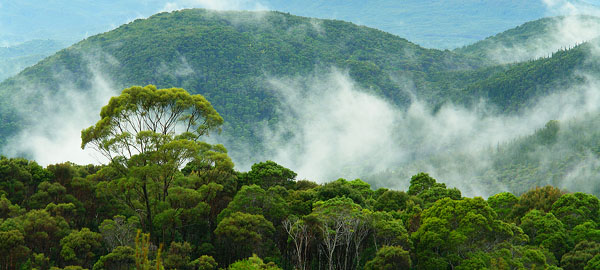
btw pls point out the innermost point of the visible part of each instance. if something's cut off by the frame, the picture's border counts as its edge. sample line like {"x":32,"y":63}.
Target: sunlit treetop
{"x":139,"y":119}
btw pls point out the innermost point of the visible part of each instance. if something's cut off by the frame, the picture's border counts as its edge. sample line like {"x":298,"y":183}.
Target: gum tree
{"x":148,"y":134}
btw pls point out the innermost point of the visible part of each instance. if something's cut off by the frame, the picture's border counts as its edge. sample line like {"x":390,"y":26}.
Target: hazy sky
{"x":440,"y":24}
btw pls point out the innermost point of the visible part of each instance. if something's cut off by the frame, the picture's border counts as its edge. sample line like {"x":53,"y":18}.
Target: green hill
{"x":535,"y":39}
{"x":227,"y":57}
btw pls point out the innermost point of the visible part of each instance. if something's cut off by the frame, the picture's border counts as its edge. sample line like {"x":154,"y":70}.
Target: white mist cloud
{"x":53,"y":133}
{"x":577,"y":22}
{"x":330,"y":128}
{"x":562,"y":33}
{"x":334,"y":127}
{"x":216,"y":5}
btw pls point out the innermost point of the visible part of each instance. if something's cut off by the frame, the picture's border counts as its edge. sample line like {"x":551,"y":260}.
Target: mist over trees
{"x":167,"y":200}
{"x":510,"y":143}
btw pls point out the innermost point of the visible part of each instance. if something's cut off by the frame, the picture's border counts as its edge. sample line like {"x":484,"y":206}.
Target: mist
{"x":53,"y":133}
{"x":572,"y":23}
{"x":331,"y":128}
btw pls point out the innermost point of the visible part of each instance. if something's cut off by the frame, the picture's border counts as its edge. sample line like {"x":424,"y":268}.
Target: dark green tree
{"x":390,"y":258}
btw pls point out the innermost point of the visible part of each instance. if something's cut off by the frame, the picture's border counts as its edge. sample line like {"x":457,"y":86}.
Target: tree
{"x":593,"y":264}
{"x":301,"y":236}
{"x":585,"y":231}
{"x":578,"y":257}
{"x":253,"y":263}
{"x":254,"y":200}
{"x":391,"y":200}
{"x":388,"y":231}
{"x":576,"y":208}
{"x":389,"y":258}
{"x":503,"y":203}
{"x":148,"y":134}
{"x":81,"y":247}
{"x":241,"y":234}
{"x":339,"y":221}
{"x":12,"y":249}
{"x":452,"y":229}
{"x":538,"y":198}
{"x":267,"y":174}
{"x":426,"y":188}
{"x":545,"y":230}
{"x":119,"y":231}
{"x":120,"y":258}
{"x":43,"y":232}
{"x":205,"y":262}
{"x":178,"y":256}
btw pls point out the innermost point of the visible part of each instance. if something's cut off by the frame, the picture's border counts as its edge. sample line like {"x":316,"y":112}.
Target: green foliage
{"x":579,"y":256}
{"x":13,"y":251}
{"x":427,"y":189}
{"x":138,"y":133}
{"x":388,"y":258}
{"x":143,"y":253}
{"x":539,"y":198}
{"x":268,"y":174}
{"x":81,"y":247}
{"x":503,"y":204}
{"x":546,"y":231}
{"x":343,"y":188}
{"x":451,"y":229}
{"x":240,"y":234}
{"x":252,"y":263}
{"x":120,"y":258}
{"x":178,"y":256}
{"x":576,"y":208}
{"x":593,"y":264}
{"x":254,"y":200}
{"x":205,"y":262}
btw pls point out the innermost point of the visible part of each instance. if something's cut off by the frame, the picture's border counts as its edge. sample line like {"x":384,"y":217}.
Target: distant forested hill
{"x":535,"y":39}
{"x":226,"y":56}
{"x":229,"y":57}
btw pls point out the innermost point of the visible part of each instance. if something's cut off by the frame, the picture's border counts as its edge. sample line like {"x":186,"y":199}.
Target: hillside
{"x":228,"y":56}
{"x":535,"y":39}
{"x":232,"y":58}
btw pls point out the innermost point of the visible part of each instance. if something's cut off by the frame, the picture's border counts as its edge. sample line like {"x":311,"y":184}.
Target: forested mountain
{"x":170,"y":197}
{"x":535,"y":39}
{"x":228,"y":56}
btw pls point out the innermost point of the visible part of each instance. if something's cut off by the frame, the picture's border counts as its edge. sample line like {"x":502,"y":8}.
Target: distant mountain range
{"x":229,"y":57}
{"x":432,"y":24}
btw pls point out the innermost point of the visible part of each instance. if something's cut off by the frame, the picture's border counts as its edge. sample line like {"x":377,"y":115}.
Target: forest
{"x":168,"y":200}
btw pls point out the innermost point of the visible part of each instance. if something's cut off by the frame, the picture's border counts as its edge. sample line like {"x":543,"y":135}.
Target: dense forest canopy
{"x":145,"y":210}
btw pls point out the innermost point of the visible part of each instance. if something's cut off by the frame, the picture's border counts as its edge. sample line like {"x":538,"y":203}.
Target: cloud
{"x":335,"y":129}
{"x":330,"y":128}
{"x":54,"y":127}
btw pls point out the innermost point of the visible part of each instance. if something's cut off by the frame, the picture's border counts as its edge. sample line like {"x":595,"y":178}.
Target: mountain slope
{"x":229,"y":57}
{"x":535,"y":39}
